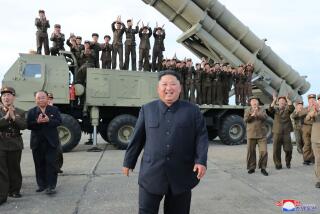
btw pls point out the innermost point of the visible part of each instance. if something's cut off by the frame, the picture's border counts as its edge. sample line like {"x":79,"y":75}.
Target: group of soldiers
{"x":288,"y":117}
{"x":207,"y":83}
{"x":87,"y":54}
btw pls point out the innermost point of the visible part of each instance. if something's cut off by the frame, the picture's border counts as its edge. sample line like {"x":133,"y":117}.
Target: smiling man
{"x":174,"y":138}
{"x":12,"y":120}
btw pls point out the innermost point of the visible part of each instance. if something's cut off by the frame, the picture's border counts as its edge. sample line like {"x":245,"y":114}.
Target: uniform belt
{"x":8,"y":134}
{"x":307,"y":124}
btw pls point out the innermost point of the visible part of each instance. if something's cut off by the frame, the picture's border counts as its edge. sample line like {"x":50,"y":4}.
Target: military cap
{"x":41,"y":11}
{"x":254,"y":97}
{"x":106,"y":36}
{"x":78,"y":37}
{"x":312,"y":96}
{"x":95,"y":34}
{"x":87,"y":41}
{"x":299,"y":102}
{"x":50,"y":95}
{"x":6,"y":89}
{"x":57,"y":26}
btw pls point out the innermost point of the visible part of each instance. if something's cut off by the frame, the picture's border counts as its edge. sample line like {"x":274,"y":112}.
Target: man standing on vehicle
{"x":42,"y":24}
{"x":173,"y":135}
{"x":282,"y":126}
{"x":255,"y":117}
{"x":12,"y":120}
{"x":118,"y":29}
{"x":58,"y":40}
{"x":130,"y":45}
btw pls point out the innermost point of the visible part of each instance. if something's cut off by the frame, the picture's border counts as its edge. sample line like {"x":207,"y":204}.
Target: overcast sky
{"x":292,"y":27}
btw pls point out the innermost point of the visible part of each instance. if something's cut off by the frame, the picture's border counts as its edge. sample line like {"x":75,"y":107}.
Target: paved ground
{"x":93,"y":183}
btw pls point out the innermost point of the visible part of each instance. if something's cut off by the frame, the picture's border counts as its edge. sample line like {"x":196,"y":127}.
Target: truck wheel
{"x":269,"y":124}
{"x":232,"y":130}
{"x":120,"y":130}
{"x":69,"y":132}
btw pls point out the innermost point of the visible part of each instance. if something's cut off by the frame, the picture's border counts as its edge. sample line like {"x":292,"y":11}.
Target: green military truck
{"x":109,"y":103}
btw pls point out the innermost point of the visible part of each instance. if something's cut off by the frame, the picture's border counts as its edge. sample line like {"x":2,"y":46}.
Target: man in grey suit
{"x":174,"y":137}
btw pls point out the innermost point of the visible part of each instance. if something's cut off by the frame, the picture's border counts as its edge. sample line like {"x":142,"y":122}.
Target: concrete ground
{"x":92,"y":183}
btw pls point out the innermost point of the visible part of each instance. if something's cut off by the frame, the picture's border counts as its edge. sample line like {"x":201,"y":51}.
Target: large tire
{"x":232,"y":130}
{"x":120,"y":130}
{"x":269,"y":124}
{"x":69,"y":132}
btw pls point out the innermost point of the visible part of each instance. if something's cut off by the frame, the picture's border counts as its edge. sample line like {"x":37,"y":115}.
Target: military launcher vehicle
{"x":109,"y":103}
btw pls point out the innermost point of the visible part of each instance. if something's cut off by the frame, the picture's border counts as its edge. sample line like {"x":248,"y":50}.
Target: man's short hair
{"x":106,"y":36}
{"x":94,"y":34}
{"x":169,"y":72}
{"x":35,"y":93}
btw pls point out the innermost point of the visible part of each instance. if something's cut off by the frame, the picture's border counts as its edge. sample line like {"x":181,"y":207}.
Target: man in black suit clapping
{"x":43,"y":121}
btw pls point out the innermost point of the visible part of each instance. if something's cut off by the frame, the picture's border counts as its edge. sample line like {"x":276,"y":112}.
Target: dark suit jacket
{"x":45,"y":132}
{"x":145,"y":39}
{"x":173,"y":139}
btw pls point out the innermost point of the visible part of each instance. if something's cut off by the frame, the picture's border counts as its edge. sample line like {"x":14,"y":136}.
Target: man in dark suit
{"x":43,"y":121}
{"x":173,"y":135}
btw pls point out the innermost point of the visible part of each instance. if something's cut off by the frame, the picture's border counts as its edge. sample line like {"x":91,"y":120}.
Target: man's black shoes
{"x":50,"y":191}
{"x":306,"y":163}
{"x":264,"y":172}
{"x":278,"y":167}
{"x":40,"y":189}
{"x":318,"y":185}
{"x":288,"y":165}
{"x":251,"y":171}
{"x":15,"y":195}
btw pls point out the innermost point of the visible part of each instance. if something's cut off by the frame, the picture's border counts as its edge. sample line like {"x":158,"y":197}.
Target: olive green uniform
{"x":315,"y":139}
{"x":11,"y":146}
{"x":282,"y":126}
{"x":256,"y":134}
{"x":297,"y":128}
{"x":42,"y":35}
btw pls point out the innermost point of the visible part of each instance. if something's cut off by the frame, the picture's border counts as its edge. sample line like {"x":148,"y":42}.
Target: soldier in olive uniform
{"x":42,"y":35}
{"x":197,"y":83}
{"x":118,"y":29}
{"x":308,"y":156}
{"x":189,"y":88}
{"x":158,"y":47}
{"x":218,"y":85}
{"x":297,"y":125}
{"x":282,"y":126}
{"x":12,"y":120}
{"x":106,"y":49}
{"x":248,"y":70}
{"x":95,"y":47}
{"x":144,"y":47}
{"x":206,"y":85}
{"x":57,"y":39}
{"x":315,"y":139}
{"x":255,"y":117}
{"x":88,"y":58}
{"x":130,"y":45}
